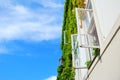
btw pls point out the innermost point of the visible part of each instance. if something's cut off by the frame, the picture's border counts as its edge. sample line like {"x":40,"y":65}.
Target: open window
{"x":87,"y":32}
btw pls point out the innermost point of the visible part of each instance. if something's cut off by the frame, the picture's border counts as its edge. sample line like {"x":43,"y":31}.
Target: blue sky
{"x":30,"y":32}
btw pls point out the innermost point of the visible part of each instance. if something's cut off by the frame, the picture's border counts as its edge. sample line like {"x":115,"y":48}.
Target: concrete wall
{"x":107,"y":12}
{"x":108,"y":67}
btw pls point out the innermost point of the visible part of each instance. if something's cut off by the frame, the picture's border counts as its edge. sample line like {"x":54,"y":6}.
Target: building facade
{"x":96,"y":46}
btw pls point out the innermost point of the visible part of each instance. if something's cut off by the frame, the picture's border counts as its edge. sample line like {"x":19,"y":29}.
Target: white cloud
{"x":19,"y":9}
{"x":23,"y":23}
{"x":51,"y":78}
{"x":50,"y":3}
{"x":29,"y":32}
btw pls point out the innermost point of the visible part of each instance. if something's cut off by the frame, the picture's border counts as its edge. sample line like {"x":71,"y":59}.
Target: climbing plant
{"x":66,"y":70}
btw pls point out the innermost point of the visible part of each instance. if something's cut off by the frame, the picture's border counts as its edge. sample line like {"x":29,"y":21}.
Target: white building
{"x":97,"y":43}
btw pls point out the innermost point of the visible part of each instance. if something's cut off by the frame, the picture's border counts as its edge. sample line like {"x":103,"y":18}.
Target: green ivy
{"x":66,"y":70}
{"x":88,"y":64}
{"x":96,"y":52}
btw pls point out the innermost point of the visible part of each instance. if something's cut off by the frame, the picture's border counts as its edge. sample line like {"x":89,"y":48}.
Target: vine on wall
{"x":66,"y":70}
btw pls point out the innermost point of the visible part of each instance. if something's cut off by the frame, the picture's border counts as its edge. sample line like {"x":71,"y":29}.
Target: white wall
{"x":108,"y":68}
{"x":107,"y":12}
